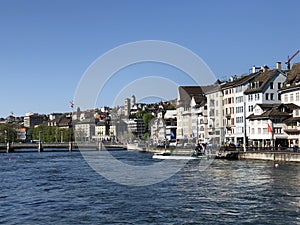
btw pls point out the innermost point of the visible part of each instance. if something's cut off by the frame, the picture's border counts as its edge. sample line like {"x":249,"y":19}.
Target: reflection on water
{"x":61,"y":188}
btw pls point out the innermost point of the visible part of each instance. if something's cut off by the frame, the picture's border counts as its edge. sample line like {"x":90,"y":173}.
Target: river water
{"x":61,"y":188}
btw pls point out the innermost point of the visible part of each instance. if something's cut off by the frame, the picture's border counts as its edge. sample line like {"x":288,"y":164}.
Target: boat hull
{"x":178,"y":157}
{"x":135,"y":147}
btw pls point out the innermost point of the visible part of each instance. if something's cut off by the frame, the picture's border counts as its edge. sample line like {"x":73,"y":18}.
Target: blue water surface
{"x":61,"y":188}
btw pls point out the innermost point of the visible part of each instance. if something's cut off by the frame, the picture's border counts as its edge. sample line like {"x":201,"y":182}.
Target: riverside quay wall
{"x":271,"y":156}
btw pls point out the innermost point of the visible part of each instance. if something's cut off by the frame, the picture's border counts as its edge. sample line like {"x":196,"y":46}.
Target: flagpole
{"x":270,"y":131}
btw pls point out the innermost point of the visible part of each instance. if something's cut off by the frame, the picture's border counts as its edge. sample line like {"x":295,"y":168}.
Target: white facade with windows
{"x":263,"y":90}
{"x":84,"y":131}
{"x":215,"y":124}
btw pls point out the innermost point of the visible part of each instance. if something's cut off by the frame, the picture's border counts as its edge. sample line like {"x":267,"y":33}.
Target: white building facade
{"x":263,"y":89}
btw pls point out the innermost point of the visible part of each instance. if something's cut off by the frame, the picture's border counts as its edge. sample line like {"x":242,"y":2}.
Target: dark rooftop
{"x":293,"y":78}
{"x":240,"y":80}
{"x":262,"y":78}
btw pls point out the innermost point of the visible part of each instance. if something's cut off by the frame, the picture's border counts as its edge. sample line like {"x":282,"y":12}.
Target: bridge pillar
{"x":70,"y":148}
{"x":100,"y":146}
{"x":40,"y":147}
{"x":9,"y":148}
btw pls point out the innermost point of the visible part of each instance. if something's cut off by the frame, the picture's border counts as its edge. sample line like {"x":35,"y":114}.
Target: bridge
{"x":68,"y":146}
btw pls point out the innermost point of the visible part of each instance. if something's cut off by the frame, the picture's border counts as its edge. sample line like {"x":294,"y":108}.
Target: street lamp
{"x":5,"y":131}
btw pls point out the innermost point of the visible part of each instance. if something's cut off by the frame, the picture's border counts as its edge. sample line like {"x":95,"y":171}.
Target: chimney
{"x":264,"y":68}
{"x":278,"y":65}
{"x":253,"y":69}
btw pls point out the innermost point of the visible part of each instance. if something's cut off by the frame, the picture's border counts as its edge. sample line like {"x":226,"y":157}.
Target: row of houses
{"x":259,"y":109}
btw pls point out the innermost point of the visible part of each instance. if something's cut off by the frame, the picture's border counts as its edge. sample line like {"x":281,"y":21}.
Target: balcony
{"x":203,"y":121}
{"x":228,"y":115}
{"x":228,"y":126}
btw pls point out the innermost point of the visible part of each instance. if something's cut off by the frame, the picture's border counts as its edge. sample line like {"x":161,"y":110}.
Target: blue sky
{"x":46,"y":46}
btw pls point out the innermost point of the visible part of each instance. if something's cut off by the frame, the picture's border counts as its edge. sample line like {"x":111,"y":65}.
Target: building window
{"x":291,"y":97}
{"x":279,"y":85}
{"x":239,"y":99}
{"x":278,"y":130}
{"x":297,"y":96}
{"x":252,"y":130}
{"x":259,"y":130}
{"x":232,"y":121}
{"x":286,"y":98}
{"x":250,"y":108}
{"x":250,"y":98}
{"x":240,"y":119}
{"x":267,"y":96}
{"x":265,"y":130}
{"x":279,"y":97}
{"x":256,"y":97}
{"x":239,"y":109}
{"x":271,"y":85}
{"x":272,"y":96}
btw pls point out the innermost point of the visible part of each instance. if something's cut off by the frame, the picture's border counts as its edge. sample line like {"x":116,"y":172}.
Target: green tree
{"x":140,"y":114}
{"x":147,"y":117}
{"x":8,"y":132}
{"x":51,"y":134}
{"x":170,"y":107}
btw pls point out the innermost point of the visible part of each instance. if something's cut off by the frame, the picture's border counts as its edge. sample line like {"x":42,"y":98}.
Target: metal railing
{"x":261,"y":149}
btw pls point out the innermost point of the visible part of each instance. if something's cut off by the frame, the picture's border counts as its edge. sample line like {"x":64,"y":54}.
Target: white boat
{"x":135,"y":146}
{"x":178,"y":157}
